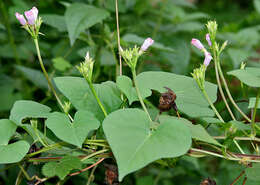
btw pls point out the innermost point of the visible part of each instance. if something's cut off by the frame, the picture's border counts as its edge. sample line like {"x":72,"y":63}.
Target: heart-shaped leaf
{"x":135,"y":145}
{"x":28,"y":109}
{"x":79,"y":17}
{"x":74,"y":133}
{"x":62,"y":168}
{"x":78,"y":92}
{"x":250,"y":76}
{"x":14,"y":152}
{"x":189,"y":99}
{"x":7,"y":130}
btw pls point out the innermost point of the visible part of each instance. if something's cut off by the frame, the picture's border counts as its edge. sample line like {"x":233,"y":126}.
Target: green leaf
{"x":237,"y":56}
{"x":14,"y":152}
{"x":189,"y":99}
{"x":62,"y":168}
{"x":249,"y":76}
{"x":132,"y":38}
{"x":106,"y":58}
{"x":61,"y":64}
{"x":257,"y":5}
{"x":35,"y":76}
{"x":56,"y":21}
{"x":125,"y":84}
{"x":239,"y":125}
{"x":78,"y":92}
{"x":80,"y":16}
{"x":252,"y":103}
{"x":74,"y":133}
{"x":7,"y":130}
{"x":253,"y":173}
{"x":198,"y":132}
{"x":28,"y":109}
{"x":170,"y":139}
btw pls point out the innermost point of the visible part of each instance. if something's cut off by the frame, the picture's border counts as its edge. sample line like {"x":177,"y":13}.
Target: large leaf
{"x":250,"y":76}
{"x":78,"y":92}
{"x":56,"y":21}
{"x":62,"y":168}
{"x":74,"y":133}
{"x":253,"y":173}
{"x":14,"y":152}
{"x":189,"y":99}
{"x":237,"y":56}
{"x":7,"y":130}
{"x":171,"y":138}
{"x":80,"y":16}
{"x":28,"y":109}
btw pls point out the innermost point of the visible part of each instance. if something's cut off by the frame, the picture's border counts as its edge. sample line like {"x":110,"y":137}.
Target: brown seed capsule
{"x":167,"y":101}
{"x":111,"y":174}
{"x":208,"y":181}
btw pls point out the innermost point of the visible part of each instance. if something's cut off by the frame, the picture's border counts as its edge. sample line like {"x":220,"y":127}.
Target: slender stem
{"x":139,"y":94}
{"x":45,"y":149}
{"x":244,"y":181}
{"x":91,"y":176}
{"x":47,"y":77}
{"x":240,"y":138}
{"x":220,"y":86}
{"x":212,"y":106}
{"x":238,"y":146}
{"x":118,"y":38}
{"x":95,"y":95}
{"x":19,"y":178}
{"x":24,"y":172}
{"x":240,"y":175}
{"x":254,"y":114}
{"x":93,"y":154}
{"x":229,"y":94}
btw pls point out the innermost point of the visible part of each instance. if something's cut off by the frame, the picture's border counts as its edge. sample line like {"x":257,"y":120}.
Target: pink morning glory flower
{"x":147,"y":43}
{"x":31,"y":15}
{"x":197,"y":44}
{"x":207,"y":59}
{"x":208,"y":39}
{"x":20,"y":18}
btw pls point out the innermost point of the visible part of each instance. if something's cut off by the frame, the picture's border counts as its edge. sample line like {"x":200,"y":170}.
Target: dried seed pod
{"x":111,"y":174}
{"x":208,"y":181}
{"x":167,"y":100}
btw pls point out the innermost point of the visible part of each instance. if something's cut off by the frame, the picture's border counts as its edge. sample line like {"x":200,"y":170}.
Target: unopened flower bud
{"x":197,"y":44}
{"x":20,"y":18}
{"x":86,"y":68}
{"x":223,"y":46}
{"x":207,"y":59}
{"x":31,"y":15}
{"x":147,"y":43}
{"x":208,"y":39}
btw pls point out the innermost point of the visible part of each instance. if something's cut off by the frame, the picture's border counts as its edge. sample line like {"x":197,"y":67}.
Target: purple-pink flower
{"x":208,"y":39}
{"x":147,"y":43}
{"x":207,"y":59}
{"x":31,"y":16}
{"x":197,"y":44}
{"x":20,"y":18}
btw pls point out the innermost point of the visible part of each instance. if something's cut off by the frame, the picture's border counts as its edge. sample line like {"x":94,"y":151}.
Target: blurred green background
{"x":171,"y":23}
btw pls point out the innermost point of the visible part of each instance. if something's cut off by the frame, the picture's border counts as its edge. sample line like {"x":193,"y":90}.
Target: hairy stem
{"x":139,"y":94}
{"x":98,"y":100}
{"x":254,"y":113}
{"x":229,"y":94}
{"x":47,"y":77}
{"x":212,"y":106}
{"x":216,"y":58}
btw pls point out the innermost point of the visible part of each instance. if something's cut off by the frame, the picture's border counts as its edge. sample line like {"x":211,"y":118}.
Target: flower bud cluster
{"x":86,"y":68}
{"x":199,"y":75}
{"x":32,"y":22}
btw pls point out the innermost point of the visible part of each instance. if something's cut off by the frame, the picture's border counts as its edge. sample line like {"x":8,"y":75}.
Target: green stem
{"x":238,"y":146}
{"x":93,"y":154}
{"x":25,"y":173}
{"x":118,"y":37}
{"x":254,"y":114}
{"x":91,"y":176}
{"x":229,"y":94}
{"x":95,"y":95}
{"x":47,"y":76}
{"x":139,"y":94}
{"x":9,"y":31}
{"x":239,"y":138}
{"x":212,"y":106}
{"x":45,"y":149}
{"x":216,"y":58}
